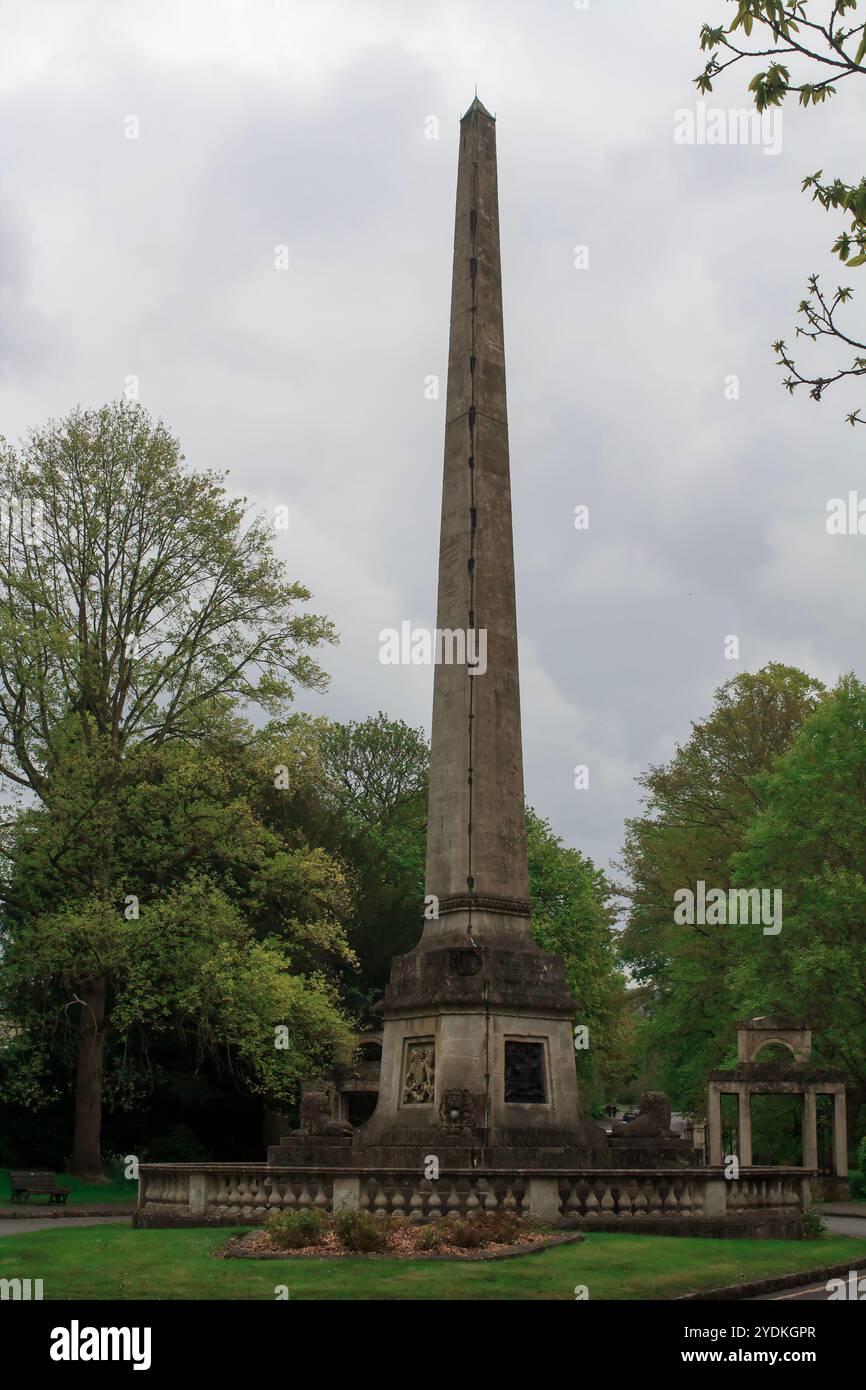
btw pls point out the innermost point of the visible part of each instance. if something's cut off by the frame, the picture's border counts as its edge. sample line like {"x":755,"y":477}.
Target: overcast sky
{"x":303,"y":123}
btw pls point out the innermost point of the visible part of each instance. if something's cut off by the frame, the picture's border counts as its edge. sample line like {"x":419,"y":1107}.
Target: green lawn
{"x":82,"y":1193}
{"x":119,"y":1262}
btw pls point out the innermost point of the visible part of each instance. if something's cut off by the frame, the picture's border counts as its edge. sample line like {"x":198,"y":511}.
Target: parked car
{"x":630,"y":1115}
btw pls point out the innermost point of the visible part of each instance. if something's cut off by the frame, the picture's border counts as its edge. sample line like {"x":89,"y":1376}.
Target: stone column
{"x":810,"y":1129}
{"x":744,"y":1115}
{"x":714,"y":1123}
{"x":840,"y":1134}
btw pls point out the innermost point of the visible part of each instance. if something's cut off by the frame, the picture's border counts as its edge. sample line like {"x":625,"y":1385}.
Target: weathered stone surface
{"x":477,"y":988}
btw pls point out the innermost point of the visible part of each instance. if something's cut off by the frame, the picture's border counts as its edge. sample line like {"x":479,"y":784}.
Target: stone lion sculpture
{"x":653,"y":1121}
{"x":314,"y":1116}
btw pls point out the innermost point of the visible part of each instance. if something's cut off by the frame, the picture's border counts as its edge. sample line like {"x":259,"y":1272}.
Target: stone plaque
{"x":419,"y":1072}
{"x":524,"y":1073}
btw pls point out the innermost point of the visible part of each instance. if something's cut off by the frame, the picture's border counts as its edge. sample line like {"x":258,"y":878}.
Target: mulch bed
{"x":256,"y":1246}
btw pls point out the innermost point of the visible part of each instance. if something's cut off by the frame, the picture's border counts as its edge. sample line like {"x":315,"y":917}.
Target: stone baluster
{"x":416,"y":1201}
{"x":452,"y":1203}
{"x":321,"y":1202}
{"x":380,"y":1201}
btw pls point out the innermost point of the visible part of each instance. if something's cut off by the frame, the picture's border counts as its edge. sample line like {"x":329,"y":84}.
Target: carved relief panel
{"x":419,"y":1072}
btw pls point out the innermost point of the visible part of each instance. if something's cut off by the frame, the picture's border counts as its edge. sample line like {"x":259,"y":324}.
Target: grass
{"x":101,"y":1262}
{"x":82,"y":1193}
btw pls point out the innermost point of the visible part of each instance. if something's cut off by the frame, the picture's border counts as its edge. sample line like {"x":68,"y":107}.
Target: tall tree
{"x":809,"y":840}
{"x":138,"y":601}
{"x":699,"y":806}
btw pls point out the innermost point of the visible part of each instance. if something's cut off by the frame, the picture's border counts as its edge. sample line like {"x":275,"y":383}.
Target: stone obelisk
{"x":478,"y":1049}
{"x":476,"y":839}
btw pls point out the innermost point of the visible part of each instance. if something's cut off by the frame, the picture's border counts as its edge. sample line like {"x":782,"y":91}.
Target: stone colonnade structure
{"x":751,"y":1077}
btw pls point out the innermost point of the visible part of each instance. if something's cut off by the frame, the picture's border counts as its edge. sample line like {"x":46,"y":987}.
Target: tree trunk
{"x":86,"y":1160}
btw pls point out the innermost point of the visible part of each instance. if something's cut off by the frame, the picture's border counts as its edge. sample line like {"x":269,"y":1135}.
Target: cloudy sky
{"x":304,"y":124}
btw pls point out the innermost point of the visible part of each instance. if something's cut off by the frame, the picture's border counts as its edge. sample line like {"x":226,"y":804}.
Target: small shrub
{"x":430,"y":1238}
{"x":813,"y":1223}
{"x":861,"y":1155}
{"x":469,"y":1234}
{"x":361,"y":1232}
{"x":502,"y":1227}
{"x":295,"y":1230}
{"x":478,"y":1231}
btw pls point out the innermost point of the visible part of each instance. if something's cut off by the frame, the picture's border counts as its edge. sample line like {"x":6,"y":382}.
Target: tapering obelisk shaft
{"x":476,"y":847}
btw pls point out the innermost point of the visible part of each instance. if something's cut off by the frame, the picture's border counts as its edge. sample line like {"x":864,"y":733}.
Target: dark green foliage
{"x":361,"y":1232}
{"x":179,"y":1144}
{"x":296,"y":1230}
{"x":814,"y":1226}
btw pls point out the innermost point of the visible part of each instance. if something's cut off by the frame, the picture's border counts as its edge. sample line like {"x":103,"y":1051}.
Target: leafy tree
{"x":836,"y":48}
{"x":573,"y":915}
{"x":359,"y":790}
{"x":139,"y":603}
{"x":809,"y":839}
{"x":699,"y":806}
{"x":221,"y":930}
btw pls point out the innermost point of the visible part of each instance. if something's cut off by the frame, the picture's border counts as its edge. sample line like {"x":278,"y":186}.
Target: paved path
{"x":23,"y":1225}
{"x":817,"y":1293}
{"x":807,"y":1293}
{"x":847,"y":1225}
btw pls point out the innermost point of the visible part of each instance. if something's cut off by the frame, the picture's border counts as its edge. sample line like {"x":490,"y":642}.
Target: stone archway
{"x":795,"y":1077}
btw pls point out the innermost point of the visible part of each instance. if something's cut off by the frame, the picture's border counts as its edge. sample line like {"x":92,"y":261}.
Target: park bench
{"x":25,"y":1185}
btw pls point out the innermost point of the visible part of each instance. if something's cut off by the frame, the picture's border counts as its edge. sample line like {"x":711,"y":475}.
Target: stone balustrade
{"x":638,"y":1195}
{"x":760,"y":1201}
{"x":422,"y":1199}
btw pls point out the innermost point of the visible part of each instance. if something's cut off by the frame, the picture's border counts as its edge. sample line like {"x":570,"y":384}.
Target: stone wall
{"x":762,"y":1202}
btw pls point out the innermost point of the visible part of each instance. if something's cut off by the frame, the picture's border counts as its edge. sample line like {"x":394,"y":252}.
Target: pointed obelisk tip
{"x":478,"y":106}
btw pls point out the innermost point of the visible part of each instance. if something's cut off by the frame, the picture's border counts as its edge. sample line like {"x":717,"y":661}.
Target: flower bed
{"x":315,"y":1235}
